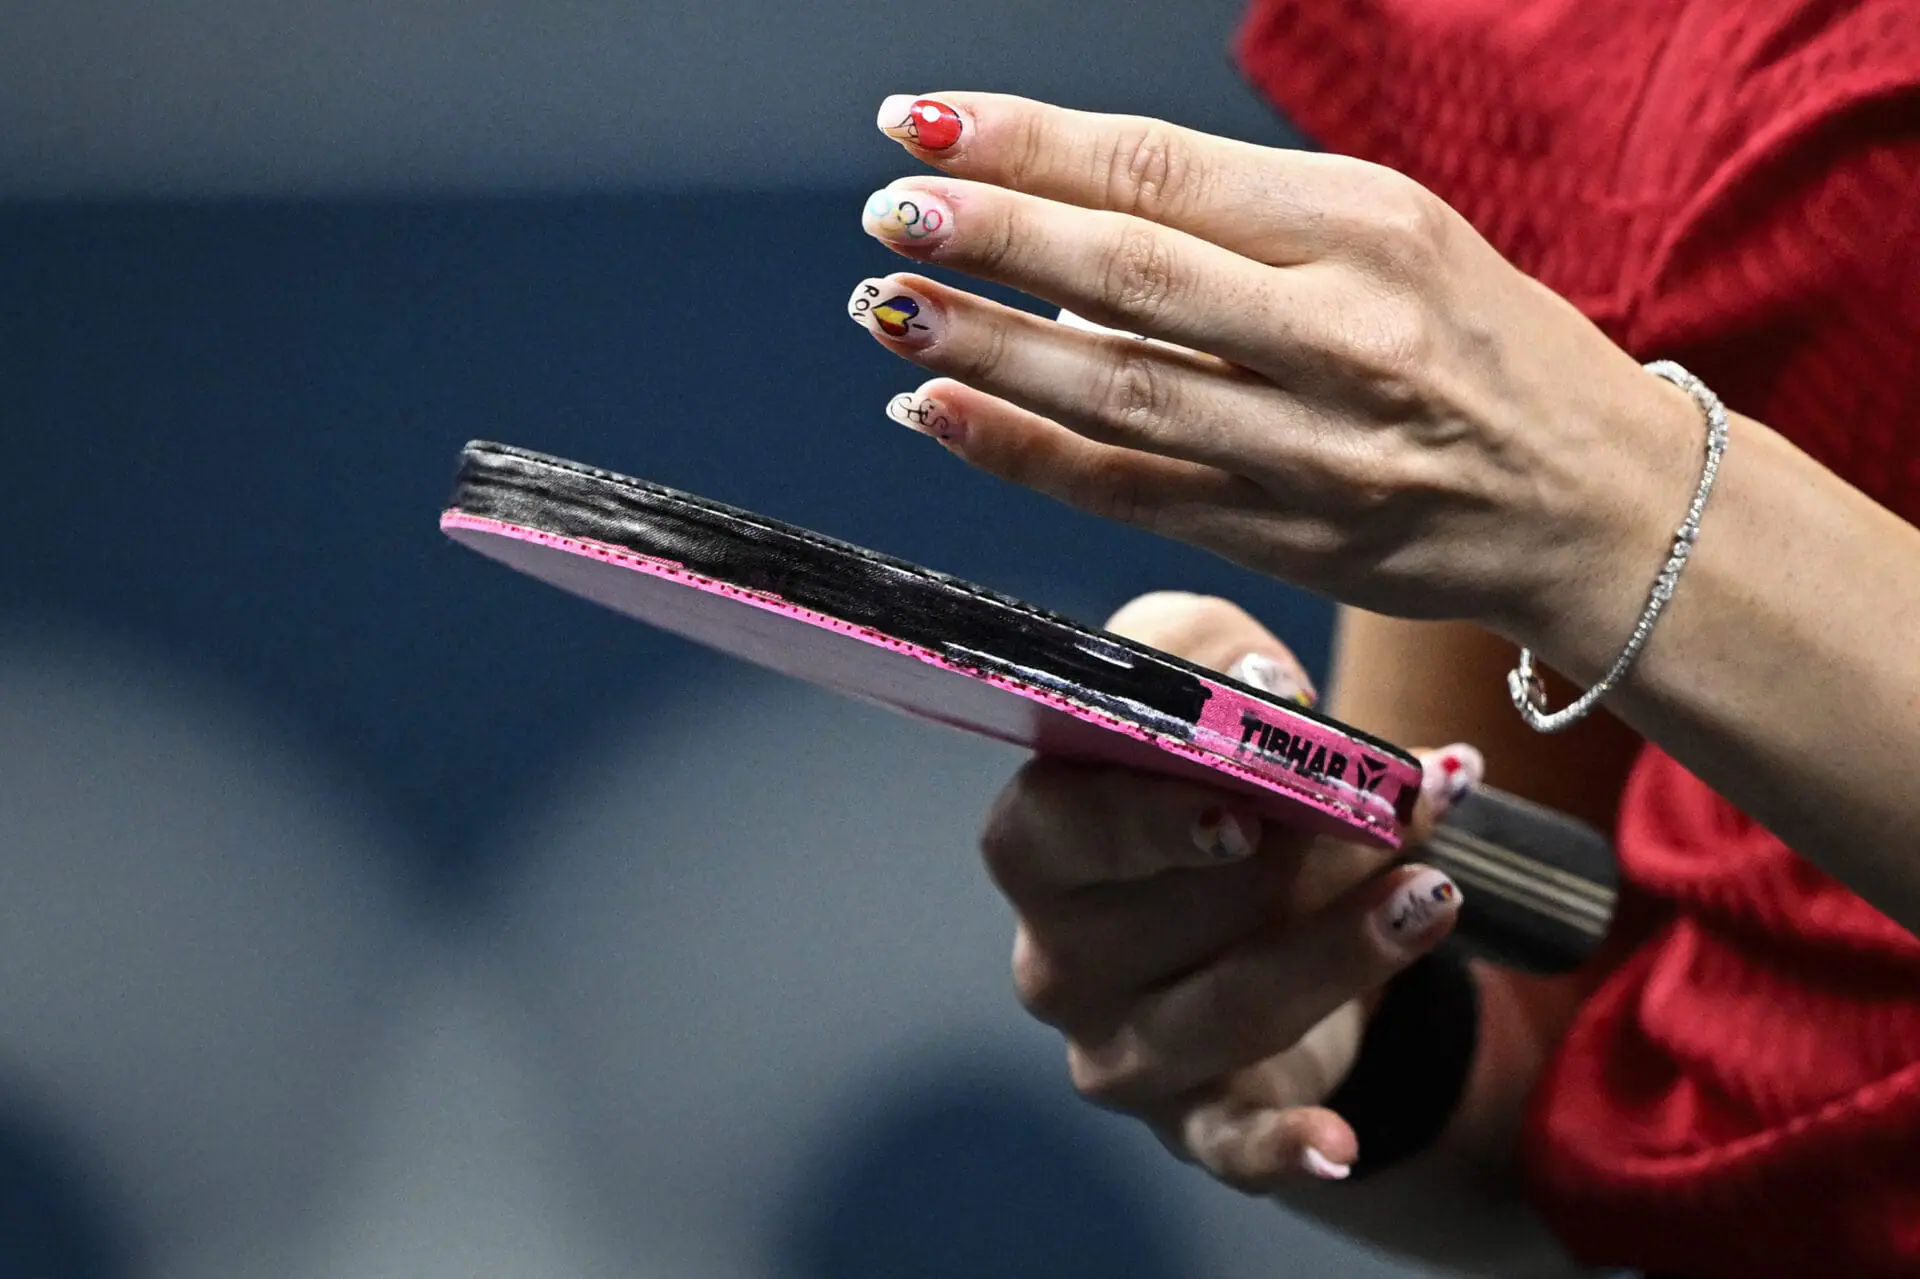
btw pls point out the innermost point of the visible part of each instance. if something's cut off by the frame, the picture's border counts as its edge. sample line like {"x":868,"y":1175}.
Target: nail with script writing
{"x":885,"y":308}
{"x":927,"y":123}
{"x":928,"y":416}
{"x":1414,"y":913}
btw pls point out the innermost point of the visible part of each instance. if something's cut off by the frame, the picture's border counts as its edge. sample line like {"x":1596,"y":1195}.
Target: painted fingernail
{"x":927,"y":123}
{"x":1321,"y":1166}
{"x":1450,"y":774}
{"x":928,"y":416}
{"x":1220,"y":834}
{"x":1257,"y":670}
{"x":912,"y":218}
{"x":901,"y":314}
{"x":1409,"y":917}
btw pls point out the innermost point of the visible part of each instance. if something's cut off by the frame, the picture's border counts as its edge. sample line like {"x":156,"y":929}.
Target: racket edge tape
{"x":920,"y":641}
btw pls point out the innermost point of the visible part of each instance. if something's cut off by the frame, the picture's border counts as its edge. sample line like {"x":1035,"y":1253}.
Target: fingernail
{"x":1416,"y":908}
{"x":1080,"y":322}
{"x":1321,"y":1166}
{"x":1450,"y":774}
{"x":927,"y":416}
{"x":1220,"y":834}
{"x":907,"y":217}
{"x":1257,"y":670}
{"x":901,"y":314}
{"x":927,"y":123}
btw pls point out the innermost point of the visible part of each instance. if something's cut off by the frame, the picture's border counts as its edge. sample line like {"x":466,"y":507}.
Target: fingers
{"x":1263,"y":996}
{"x":1146,"y":168}
{"x":1257,"y":1151}
{"x":1164,"y":495}
{"x":1079,"y":965}
{"x":1143,"y":396}
{"x":1447,"y":776}
{"x":1116,"y":270}
{"x":1058,"y":827}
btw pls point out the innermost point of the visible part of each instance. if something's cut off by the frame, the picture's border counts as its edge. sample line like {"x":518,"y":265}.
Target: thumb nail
{"x":1449,"y":775}
{"x":1281,"y":679}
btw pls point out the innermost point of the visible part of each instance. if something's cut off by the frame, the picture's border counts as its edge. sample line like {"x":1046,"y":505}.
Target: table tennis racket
{"x":1538,"y":885}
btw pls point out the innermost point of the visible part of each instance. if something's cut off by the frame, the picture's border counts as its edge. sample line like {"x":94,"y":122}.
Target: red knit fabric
{"x":1734,"y":184}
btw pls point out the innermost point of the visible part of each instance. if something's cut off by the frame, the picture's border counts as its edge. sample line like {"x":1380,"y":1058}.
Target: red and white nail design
{"x":1450,"y":774}
{"x":882,"y":307}
{"x":928,"y":416}
{"x":910,"y":218}
{"x":927,"y":123}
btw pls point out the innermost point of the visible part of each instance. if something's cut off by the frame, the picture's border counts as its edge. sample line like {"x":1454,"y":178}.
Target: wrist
{"x":1639,"y":468}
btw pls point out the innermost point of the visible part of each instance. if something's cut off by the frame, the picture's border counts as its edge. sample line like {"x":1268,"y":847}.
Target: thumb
{"x":1447,"y":776}
{"x":1218,"y":635}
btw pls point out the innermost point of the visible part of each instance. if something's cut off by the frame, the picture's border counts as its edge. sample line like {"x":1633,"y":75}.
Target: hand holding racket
{"x":1211,"y":972}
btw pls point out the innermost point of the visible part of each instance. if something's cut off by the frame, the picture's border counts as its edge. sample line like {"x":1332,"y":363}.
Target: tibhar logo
{"x":1308,"y":758}
{"x":1371,"y":773}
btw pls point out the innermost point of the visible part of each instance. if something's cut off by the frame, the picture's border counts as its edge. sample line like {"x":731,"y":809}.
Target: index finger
{"x":1279,"y":206}
{"x":1060,"y":827}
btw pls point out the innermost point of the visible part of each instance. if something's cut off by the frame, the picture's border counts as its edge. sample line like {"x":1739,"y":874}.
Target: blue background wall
{"x":365,"y":909}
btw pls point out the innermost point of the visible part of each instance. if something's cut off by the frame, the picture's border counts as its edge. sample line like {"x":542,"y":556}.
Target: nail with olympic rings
{"x":908,"y":219}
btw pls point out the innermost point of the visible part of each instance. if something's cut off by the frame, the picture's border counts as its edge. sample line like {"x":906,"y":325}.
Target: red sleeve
{"x":1791,"y":284}
{"x":1742,"y":1097}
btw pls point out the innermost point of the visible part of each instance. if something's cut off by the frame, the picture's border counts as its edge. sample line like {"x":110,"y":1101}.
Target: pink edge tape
{"x":1241,"y":736}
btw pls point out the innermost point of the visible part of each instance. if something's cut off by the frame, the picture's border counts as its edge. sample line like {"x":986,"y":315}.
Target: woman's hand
{"x":1210,"y":976}
{"x":1350,"y":389}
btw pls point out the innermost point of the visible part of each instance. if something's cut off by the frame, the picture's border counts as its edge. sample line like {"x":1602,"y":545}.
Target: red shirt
{"x":1734,"y":184}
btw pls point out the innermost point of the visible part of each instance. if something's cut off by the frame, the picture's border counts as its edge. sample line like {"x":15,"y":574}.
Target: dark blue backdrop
{"x":229,"y":429}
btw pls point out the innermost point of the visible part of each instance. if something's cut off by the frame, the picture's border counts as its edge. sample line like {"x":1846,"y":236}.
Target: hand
{"x":1211,"y":975}
{"x":1350,"y":389}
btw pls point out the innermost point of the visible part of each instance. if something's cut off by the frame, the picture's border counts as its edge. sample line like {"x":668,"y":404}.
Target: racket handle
{"x":1538,"y":885}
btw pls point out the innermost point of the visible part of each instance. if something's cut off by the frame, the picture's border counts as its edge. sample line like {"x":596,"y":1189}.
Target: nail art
{"x":1450,"y":774}
{"x":1410,"y":914}
{"x":1219,"y":833}
{"x":887,"y":308}
{"x":907,"y":217}
{"x":1257,"y":670}
{"x":927,"y":123}
{"x":929,"y":417}
{"x":1321,"y":1166}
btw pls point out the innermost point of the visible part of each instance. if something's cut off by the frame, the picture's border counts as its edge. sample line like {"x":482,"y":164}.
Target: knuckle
{"x":1390,"y":344}
{"x":1411,"y":227}
{"x":1139,"y":278}
{"x":1113,"y":488}
{"x":1114,"y":1077}
{"x":1147,"y":171}
{"x":1004,"y":844}
{"x":1027,"y":151}
{"x":1137,"y":394}
{"x":1042,"y":982}
{"x":999,"y":248}
{"x":982,"y":359}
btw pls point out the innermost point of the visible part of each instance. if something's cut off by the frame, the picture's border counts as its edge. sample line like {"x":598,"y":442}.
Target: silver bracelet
{"x":1529,"y":696}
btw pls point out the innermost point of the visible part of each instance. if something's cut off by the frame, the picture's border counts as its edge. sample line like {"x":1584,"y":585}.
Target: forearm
{"x":1786,"y":671}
